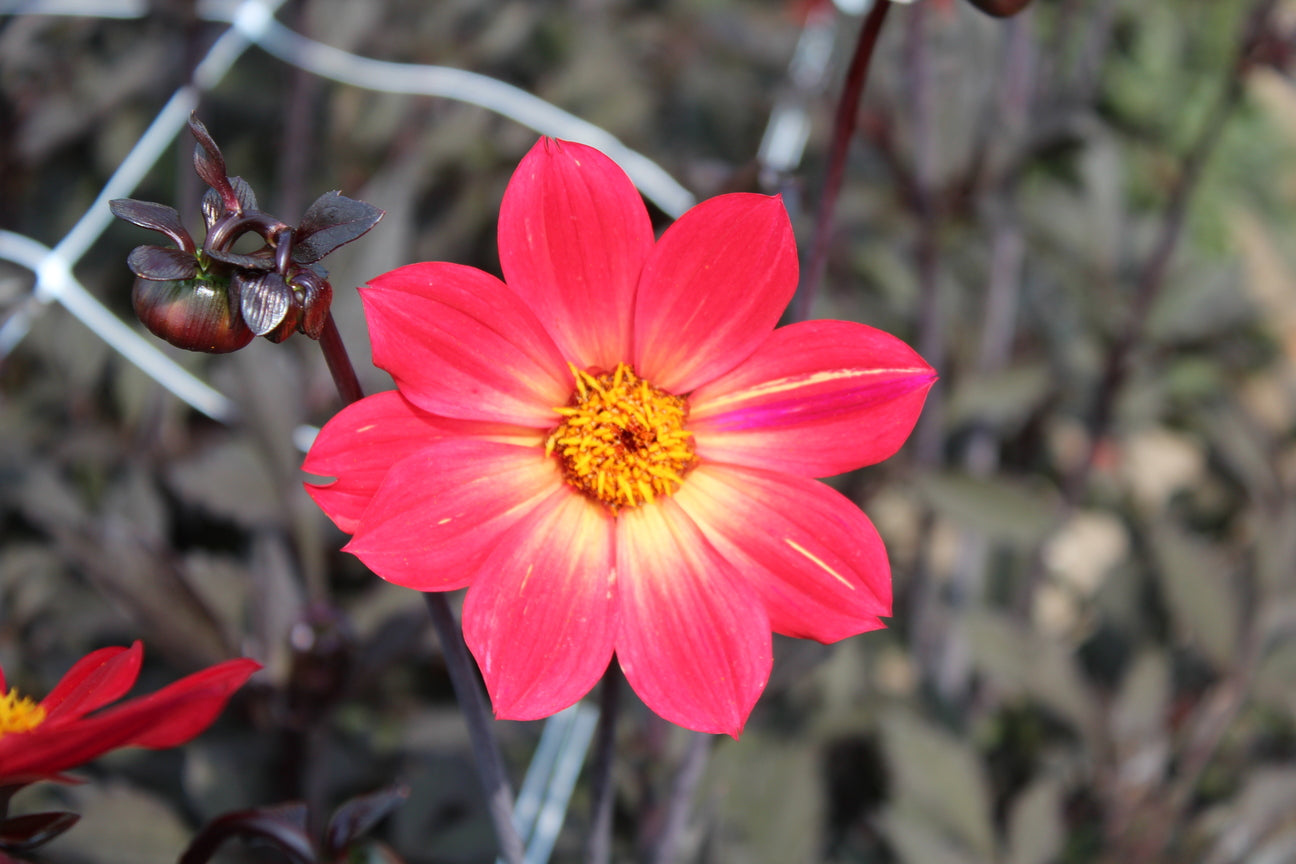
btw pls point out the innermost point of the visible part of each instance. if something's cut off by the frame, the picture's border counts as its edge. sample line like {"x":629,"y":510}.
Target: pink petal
{"x":573,"y":236}
{"x":818,"y":398}
{"x":713,"y":289}
{"x":93,"y":681}
{"x":460,"y":344}
{"x":364,"y":440}
{"x":812,"y":555}
{"x":694,"y":640}
{"x":542,"y":616}
{"x":441,"y":511}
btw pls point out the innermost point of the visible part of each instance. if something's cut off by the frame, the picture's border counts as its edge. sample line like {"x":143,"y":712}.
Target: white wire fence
{"x":546,"y":791}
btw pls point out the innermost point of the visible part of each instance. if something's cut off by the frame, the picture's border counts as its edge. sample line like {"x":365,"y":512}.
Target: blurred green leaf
{"x":1197,"y":582}
{"x":771,"y":807}
{"x":1036,"y":832}
{"x":1250,"y":829}
{"x":1002,"y":508}
{"x":939,"y":780}
{"x":1004,"y":400}
{"x":120,"y":824}
{"x":1141,"y":708}
{"x":1024,"y":662}
{"x":916,"y":842}
{"x":229,"y":479}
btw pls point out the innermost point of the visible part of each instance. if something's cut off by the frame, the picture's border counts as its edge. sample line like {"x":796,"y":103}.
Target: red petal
{"x":95,"y":680}
{"x":573,"y":236}
{"x":364,"y":440}
{"x":818,"y":398}
{"x":167,"y":718}
{"x":441,"y":511}
{"x":812,"y":555}
{"x":187,"y":707}
{"x":542,"y":616}
{"x":460,"y":344}
{"x":713,"y":289}
{"x":694,"y":640}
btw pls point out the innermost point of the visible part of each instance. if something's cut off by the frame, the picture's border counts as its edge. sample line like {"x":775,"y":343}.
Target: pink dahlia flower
{"x":614,"y":449}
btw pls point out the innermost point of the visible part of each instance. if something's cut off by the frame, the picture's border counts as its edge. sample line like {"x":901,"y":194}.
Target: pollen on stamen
{"x":19,"y":713}
{"x":620,"y":440}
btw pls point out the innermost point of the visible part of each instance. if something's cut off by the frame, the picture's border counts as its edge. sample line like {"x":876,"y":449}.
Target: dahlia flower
{"x":614,"y":449}
{"x":40,"y":740}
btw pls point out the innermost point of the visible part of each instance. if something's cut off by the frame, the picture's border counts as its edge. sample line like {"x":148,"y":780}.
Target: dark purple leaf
{"x":262,"y":259}
{"x":161,"y":263}
{"x":155,"y":217}
{"x":287,"y":326}
{"x":331,"y":221}
{"x":243,"y":192}
{"x":264,"y":300}
{"x":357,"y":817}
{"x":210,"y":164}
{"x":24,"y":833}
{"x":316,"y":298}
{"x":283,"y":826}
{"x":213,"y":208}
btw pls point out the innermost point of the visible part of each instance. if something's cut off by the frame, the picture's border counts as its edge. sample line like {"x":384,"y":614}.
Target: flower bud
{"x":194,"y":314}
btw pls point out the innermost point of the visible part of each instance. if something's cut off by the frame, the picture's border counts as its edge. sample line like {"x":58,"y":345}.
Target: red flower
{"x":42,"y":740}
{"x":614,"y":450}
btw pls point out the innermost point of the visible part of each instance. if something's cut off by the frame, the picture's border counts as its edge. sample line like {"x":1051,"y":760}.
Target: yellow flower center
{"x":19,"y":714}
{"x":622,"y":441}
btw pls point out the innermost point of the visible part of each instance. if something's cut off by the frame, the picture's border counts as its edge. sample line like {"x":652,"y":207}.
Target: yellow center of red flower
{"x":622,"y":441}
{"x":19,"y":714}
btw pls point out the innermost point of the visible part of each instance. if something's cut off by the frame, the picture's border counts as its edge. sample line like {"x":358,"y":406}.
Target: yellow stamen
{"x":19,"y":713}
{"x":622,"y":441}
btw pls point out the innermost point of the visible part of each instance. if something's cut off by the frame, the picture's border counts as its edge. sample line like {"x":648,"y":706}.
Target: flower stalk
{"x":489,"y":761}
{"x":844,"y":122}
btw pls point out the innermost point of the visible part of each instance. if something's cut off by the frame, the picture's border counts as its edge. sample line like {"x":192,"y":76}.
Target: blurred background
{"x":1080,"y":215}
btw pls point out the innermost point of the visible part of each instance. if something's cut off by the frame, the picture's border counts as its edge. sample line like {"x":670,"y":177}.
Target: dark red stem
{"x":339,"y":363}
{"x":843,"y":131}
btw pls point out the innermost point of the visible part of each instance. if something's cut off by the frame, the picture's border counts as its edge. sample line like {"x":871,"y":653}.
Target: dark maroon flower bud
{"x":195,"y":314}
{"x":211,"y":298}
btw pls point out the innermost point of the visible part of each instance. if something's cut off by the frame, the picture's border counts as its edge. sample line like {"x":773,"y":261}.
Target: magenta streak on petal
{"x":803,"y":407}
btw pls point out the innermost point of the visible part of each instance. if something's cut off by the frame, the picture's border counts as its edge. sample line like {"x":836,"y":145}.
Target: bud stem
{"x":339,"y":363}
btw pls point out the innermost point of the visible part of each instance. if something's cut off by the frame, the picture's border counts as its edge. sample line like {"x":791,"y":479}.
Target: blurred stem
{"x":339,"y":363}
{"x":844,"y":123}
{"x":490,"y":764}
{"x":928,"y":440}
{"x":687,"y":779}
{"x":947,"y":633}
{"x":1152,"y":275}
{"x":929,"y":617}
{"x":599,"y":848}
